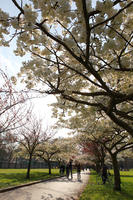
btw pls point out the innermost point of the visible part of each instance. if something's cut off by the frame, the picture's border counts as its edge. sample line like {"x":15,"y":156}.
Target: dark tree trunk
{"x":117,"y":181}
{"x":102,"y":156}
{"x":49,"y":167}
{"x":98,"y":167}
{"x":29,"y":166}
{"x":99,"y":164}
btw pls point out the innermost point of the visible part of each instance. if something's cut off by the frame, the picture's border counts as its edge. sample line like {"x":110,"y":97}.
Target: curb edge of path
{"x":27,"y":184}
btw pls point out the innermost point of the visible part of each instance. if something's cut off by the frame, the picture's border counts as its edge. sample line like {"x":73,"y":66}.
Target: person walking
{"x":78,"y":166}
{"x":67,"y":170}
{"x":62,"y":169}
{"x":70,"y":168}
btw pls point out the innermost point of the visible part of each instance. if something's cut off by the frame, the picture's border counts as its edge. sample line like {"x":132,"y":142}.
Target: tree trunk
{"x":29,"y":166}
{"x":49,"y":167}
{"x":98,"y":167}
{"x":117,"y":181}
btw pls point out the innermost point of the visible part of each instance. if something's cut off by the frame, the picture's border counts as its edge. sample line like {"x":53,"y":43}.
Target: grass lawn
{"x":94,"y":191}
{"x":12,"y":177}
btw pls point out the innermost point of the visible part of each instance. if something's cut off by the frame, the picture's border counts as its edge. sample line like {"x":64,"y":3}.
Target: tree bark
{"x":49,"y":167}
{"x":29,"y":166}
{"x":117,"y":181}
{"x":97,"y":167}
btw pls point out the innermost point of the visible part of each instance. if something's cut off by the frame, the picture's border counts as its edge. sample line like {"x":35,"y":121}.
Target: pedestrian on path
{"x":78,"y":166}
{"x":70,"y":168}
{"x":67,"y":170}
{"x":62,"y":169}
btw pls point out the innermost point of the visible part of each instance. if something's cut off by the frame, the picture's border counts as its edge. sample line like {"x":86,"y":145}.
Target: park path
{"x":57,"y":189}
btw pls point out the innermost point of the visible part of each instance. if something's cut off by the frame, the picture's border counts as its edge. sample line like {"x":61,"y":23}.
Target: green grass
{"x":13,"y":177}
{"x":94,"y":191}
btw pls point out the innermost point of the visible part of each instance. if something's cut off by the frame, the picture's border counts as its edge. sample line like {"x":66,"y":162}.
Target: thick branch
{"x":17,"y":5}
{"x":113,"y":17}
{"x":86,"y":17}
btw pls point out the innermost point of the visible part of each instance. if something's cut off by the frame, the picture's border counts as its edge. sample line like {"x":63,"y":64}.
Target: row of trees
{"x":26,"y":138}
{"x":23,"y":135}
{"x":107,"y":143}
{"x":18,"y":128}
{"x":30,"y":142}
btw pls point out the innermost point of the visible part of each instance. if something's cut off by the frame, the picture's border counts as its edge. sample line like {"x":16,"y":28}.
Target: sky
{"x":11,"y":64}
{"x":7,"y":58}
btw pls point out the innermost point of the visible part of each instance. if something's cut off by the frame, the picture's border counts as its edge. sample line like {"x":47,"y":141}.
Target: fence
{"x":24,"y":165}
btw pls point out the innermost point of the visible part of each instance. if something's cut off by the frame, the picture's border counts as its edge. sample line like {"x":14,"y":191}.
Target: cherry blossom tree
{"x":111,"y":139}
{"x":95,"y":151}
{"x":29,"y":137}
{"x":7,"y":147}
{"x":12,"y":105}
{"x":13,"y":112}
{"x":80,"y":51}
{"x":115,"y":141}
{"x":47,"y":150}
{"x":68,"y":150}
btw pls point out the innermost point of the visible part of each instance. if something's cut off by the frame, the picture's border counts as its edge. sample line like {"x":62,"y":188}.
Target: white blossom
{"x":30,"y":16}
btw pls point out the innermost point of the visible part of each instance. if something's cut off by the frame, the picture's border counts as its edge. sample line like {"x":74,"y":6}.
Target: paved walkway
{"x":57,"y":189}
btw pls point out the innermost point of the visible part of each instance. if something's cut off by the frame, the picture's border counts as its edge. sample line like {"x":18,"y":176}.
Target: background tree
{"x":7,"y":147}
{"x":30,"y":136}
{"x":95,"y":151}
{"x":47,"y":150}
{"x":13,"y":106}
{"x":113,"y":141}
{"x":80,"y":51}
{"x":13,"y":111}
{"x":68,"y":150}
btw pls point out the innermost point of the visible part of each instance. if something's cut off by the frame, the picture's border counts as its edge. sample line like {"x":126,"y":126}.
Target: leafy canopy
{"x":81,"y":52}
